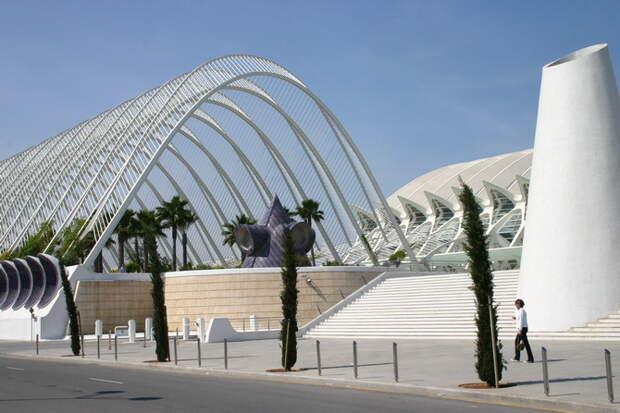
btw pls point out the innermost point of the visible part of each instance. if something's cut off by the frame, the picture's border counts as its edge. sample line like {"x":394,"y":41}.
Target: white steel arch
{"x":259,"y":131}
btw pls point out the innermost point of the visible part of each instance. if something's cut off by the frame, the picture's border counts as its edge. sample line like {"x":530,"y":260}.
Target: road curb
{"x":490,"y":396}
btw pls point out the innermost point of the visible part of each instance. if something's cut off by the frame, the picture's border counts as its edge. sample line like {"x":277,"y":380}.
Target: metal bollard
{"x":37,"y":345}
{"x":268,"y":325}
{"x":494,"y":345}
{"x":318,"y":356}
{"x":98,"y":347}
{"x":355,"y":359}
{"x":176,"y":359}
{"x":395,"y":355}
{"x":82,"y":344}
{"x":115,"y":348}
{"x":109,"y":339}
{"x":610,"y":383}
{"x":144,"y":340}
{"x":199,"y":355}
{"x":545,"y":371}
{"x":226,"y":354}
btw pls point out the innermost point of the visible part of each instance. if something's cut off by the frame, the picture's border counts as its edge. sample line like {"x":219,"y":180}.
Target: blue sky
{"x":418,"y":84}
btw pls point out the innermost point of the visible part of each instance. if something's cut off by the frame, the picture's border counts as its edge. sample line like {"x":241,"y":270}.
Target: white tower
{"x":570,"y":272}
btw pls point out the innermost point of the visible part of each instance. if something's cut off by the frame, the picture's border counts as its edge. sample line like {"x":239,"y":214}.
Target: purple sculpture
{"x":263,"y":243}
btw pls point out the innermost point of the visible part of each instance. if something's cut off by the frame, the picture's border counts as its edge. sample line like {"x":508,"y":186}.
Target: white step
{"x":439,"y":306}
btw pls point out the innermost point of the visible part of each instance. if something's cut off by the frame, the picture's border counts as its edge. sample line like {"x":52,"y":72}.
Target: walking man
{"x":521,"y":339}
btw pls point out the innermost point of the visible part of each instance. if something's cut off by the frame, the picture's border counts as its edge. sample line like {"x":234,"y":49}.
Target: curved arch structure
{"x":227,"y":136}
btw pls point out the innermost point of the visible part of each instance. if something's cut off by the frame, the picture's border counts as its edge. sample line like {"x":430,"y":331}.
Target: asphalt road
{"x":35,"y":385}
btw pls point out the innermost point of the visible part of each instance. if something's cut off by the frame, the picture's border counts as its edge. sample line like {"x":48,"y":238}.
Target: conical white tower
{"x":570,"y":272}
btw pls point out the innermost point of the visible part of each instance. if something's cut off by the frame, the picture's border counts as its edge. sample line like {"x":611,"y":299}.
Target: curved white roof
{"x":501,"y":170}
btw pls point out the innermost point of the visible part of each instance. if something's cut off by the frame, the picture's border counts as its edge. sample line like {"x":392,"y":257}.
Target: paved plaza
{"x":576,"y":368}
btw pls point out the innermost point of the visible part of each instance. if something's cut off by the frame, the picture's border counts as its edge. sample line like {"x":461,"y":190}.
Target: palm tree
{"x":124,"y":231}
{"x":170,"y":214}
{"x":186,"y":220}
{"x":230,"y":228}
{"x":149,"y":228}
{"x":309,"y":211}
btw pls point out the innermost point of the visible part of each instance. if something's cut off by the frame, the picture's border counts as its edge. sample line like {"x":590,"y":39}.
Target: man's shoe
{"x":515,"y":360}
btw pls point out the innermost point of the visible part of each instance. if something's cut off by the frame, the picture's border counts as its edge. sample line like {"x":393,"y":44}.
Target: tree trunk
{"x":137,"y":249}
{"x":184,"y":242}
{"x":121,"y":252}
{"x":160,"y":319}
{"x":146,"y":255}
{"x":174,"y":248}
{"x":74,"y":328}
{"x":289,"y":300}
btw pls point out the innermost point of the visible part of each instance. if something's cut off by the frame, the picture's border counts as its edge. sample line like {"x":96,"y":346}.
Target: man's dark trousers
{"x":523,"y":337}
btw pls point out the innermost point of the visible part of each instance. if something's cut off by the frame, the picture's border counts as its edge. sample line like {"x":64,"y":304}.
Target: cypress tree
{"x":160,"y":319}
{"x":476,"y":247}
{"x":74,"y":327}
{"x":288,"y":296}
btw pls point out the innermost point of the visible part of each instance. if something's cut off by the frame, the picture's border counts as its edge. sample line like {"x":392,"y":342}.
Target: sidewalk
{"x":576,"y":368}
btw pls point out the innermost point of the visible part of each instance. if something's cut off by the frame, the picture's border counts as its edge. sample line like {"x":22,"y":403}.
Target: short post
{"x":244,"y":324}
{"x":288,"y":325}
{"x":268,"y":325}
{"x":148,"y":328}
{"x":610,"y":383}
{"x":177,"y":336}
{"x":185,"y":328}
{"x":545,"y":371}
{"x":115,"y":347}
{"x":98,"y":327}
{"x":318,"y":356}
{"x":132,"y":331}
{"x":79,"y":317}
{"x":109,"y":339}
{"x":144,"y":340}
{"x":493,"y":344}
{"x":355,"y":359}
{"x":202,"y":328}
{"x":199,"y":355}
{"x":395,"y":356}
{"x":98,"y":347}
{"x":37,"y":345}
{"x":226,"y":354}
{"x":176,"y":360}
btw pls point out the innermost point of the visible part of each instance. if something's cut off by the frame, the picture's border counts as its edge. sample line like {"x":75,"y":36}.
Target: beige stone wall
{"x":237,"y":296}
{"x":209,"y":294}
{"x":113,"y":302}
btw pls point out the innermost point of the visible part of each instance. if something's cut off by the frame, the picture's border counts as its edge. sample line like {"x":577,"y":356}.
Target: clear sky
{"x":418,"y":84}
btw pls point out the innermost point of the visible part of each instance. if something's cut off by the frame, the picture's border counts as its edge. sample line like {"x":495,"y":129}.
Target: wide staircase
{"x":407,"y":305}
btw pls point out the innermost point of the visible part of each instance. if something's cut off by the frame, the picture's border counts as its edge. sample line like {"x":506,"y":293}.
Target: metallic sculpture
{"x":30,"y":282}
{"x":263,"y":243}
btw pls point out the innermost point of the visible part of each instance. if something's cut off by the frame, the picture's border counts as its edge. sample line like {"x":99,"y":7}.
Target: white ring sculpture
{"x":30,"y":282}
{"x":227,"y":137}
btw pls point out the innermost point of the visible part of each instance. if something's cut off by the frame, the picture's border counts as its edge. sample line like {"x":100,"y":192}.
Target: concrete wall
{"x":113,"y":302}
{"x":233,"y":294}
{"x":237,"y":294}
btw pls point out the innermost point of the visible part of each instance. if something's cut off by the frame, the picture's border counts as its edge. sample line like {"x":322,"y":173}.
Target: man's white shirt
{"x":521,"y":318}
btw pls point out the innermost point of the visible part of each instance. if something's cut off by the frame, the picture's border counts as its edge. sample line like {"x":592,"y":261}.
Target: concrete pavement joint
{"x":465,"y":395}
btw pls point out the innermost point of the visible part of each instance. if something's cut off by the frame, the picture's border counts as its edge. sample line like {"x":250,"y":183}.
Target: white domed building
{"x":430,"y":214}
